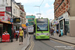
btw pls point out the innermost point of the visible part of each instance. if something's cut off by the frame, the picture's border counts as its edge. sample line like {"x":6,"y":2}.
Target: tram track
{"x":47,"y":45}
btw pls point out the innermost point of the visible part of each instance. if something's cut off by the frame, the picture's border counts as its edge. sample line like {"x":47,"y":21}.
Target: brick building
{"x":64,"y":13}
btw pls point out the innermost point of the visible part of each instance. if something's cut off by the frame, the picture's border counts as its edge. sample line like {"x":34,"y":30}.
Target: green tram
{"x":41,"y":29}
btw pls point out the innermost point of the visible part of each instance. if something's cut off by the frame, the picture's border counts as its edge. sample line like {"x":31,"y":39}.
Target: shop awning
{"x":24,"y":25}
{"x":6,"y":22}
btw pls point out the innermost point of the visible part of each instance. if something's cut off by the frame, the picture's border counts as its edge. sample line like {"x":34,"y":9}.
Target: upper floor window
{"x":14,"y":11}
{"x":67,"y":1}
{"x":3,"y":1}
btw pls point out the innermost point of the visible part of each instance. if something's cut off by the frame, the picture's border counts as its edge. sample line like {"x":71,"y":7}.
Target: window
{"x":67,"y":1}
{"x":67,"y":26}
{"x":6,"y":1}
{"x":3,"y":1}
{"x":14,"y":11}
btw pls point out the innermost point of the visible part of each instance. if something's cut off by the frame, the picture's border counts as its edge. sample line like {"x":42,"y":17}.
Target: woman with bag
{"x":21,"y":35}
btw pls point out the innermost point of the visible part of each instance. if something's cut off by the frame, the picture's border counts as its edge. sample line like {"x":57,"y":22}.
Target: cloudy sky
{"x":46,"y":9}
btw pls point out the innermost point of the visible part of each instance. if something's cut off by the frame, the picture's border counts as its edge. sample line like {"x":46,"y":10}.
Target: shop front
{"x":5,"y":26}
{"x":64,"y":23}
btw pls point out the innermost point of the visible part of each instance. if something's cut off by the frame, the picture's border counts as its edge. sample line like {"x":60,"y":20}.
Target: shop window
{"x":67,"y":26}
{"x":61,"y":24}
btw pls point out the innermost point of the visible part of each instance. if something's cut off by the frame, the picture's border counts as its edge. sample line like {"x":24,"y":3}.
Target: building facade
{"x":6,"y":20}
{"x":64,"y":13}
{"x":22,"y":13}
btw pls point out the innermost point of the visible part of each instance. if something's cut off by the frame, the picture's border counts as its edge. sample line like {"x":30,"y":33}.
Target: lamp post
{"x":39,"y":8}
{"x":12,"y":25}
{"x":39,"y":11}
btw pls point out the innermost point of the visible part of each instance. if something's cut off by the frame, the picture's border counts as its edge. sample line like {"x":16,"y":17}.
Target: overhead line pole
{"x":39,"y":6}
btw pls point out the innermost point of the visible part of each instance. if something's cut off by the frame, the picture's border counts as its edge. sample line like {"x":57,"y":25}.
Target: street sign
{"x":27,"y":24}
{"x":11,"y":20}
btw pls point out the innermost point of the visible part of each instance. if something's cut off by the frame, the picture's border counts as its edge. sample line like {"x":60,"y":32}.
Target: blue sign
{"x":27,"y":24}
{"x":11,"y":20}
{"x":60,"y":17}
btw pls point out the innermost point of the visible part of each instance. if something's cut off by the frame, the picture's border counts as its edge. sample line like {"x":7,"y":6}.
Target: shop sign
{"x":9,"y":17}
{"x":60,"y":18}
{"x":2,"y":8}
{"x":11,"y":20}
{"x":8,"y":9}
{"x":16,"y":20}
{"x":65,"y":16}
{"x":3,"y":17}
{"x":2,"y":14}
{"x":66,"y":19}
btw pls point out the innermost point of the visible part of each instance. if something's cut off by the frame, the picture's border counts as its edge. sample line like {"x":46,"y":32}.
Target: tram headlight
{"x":37,"y":34}
{"x":47,"y":34}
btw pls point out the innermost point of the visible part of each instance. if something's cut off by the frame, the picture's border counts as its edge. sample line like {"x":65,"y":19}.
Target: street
{"x":47,"y":45}
{"x":37,"y":25}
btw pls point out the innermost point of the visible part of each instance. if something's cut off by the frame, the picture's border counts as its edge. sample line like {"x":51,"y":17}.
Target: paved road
{"x":47,"y":45}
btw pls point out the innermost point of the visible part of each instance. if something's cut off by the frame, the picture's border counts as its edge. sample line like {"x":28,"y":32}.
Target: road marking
{"x":63,"y":42}
{"x":32,"y":44}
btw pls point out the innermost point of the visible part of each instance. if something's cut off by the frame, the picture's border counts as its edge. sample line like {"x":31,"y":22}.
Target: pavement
{"x":64,"y":38}
{"x":15,"y":45}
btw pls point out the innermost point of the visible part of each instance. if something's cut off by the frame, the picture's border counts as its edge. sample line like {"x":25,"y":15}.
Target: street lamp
{"x":12,"y":25}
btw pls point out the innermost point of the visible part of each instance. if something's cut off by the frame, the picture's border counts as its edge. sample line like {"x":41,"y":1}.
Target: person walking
{"x":57,"y":31}
{"x":21,"y":35}
{"x":17,"y":33}
{"x":25,"y":33}
{"x":61,"y":32}
{"x":52,"y":31}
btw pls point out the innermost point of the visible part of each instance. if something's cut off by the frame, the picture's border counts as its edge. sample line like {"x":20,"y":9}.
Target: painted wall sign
{"x":2,"y":8}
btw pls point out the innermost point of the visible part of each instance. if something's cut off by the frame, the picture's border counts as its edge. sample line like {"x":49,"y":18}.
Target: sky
{"x":46,"y":9}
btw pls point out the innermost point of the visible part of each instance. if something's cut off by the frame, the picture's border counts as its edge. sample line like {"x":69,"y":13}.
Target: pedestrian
{"x":6,"y":33}
{"x":52,"y":31}
{"x":17,"y":33}
{"x":61,"y":32}
{"x":21,"y":35}
{"x":25,"y":33}
{"x":57,"y":31}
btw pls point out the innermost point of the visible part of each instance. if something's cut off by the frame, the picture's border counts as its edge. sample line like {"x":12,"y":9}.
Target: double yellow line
{"x":32,"y":44}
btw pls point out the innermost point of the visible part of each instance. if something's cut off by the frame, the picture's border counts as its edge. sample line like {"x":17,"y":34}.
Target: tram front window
{"x":42,"y":25}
